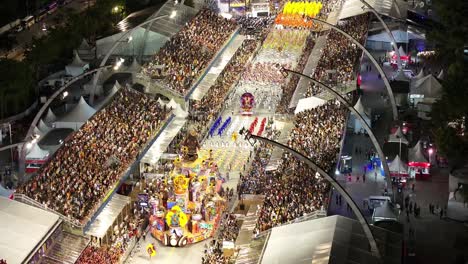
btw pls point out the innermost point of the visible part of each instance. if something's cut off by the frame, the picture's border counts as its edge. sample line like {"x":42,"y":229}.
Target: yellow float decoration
{"x":176,"y":217}
{"x":150,"y":249}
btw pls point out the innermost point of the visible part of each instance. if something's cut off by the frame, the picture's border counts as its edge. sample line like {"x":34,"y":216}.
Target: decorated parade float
{"x":190,"y":208}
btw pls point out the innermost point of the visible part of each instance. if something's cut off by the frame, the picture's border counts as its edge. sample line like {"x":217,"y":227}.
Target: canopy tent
{"x":440,"y":76}
{"x":38,"y":132}
{"x":108,"y":216}
{"x":50,"y":116}
{"x":327,"y":240}
{"x":23,"y":227}
{"x":36,"y":155}
{"x":43,"y":127}
{"x":420,"y":75}
{"x":172,"y":104}
{"x":398,"y":168}
{"x":161,"y":102}
{"x":401,"y":51}
{"x":365,"y":113}
{"x":397,"y":137}
{"x":84,"y":45}
{"x":105,"y":74}
{"x":134,"y":67}
{"x":308,"y":103}
{"x":426,"y":89}
{"x":77,"y":66}
{"x":179,"y":112}
{"x":415,"y":154}
{"x":77,"y":116}
{"x":401,"y":76}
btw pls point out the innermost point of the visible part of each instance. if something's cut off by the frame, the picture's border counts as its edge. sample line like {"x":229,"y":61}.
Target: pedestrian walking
{"x":430,"y":208}
{"x":357,"y":178}
{"x":375,"y":176}
{"x":337,"y":201}
{"x":441,"y":213}
{"x":412,"y":187}
{"x":364,"y":177}
{"x":340,"y":200}
{"x":411,"y":207}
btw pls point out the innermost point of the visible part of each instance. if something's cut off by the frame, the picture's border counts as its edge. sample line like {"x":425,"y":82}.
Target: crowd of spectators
{"x":228,"y":231}
{"x":263,"y":73}
{"x":91,"y":161}
{"x":184,"y":57}
{"x":254,"y":25}
{"x":99,"y":255}
{"x":290,"y":86}
{"x":208,"y":108}
{"x":340,"y":54}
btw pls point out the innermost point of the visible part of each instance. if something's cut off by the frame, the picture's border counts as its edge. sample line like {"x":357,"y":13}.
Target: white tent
{"x":440,"y":76}
{"x":77,"y":66}
{"x":77,"y":116}
{"x":365,"y":113}
{"x":84,"y":45}
{"x":37,"y":131}
{"x":134,"y":67}
{"x":415,"y":154}
{"x":161,"y":102}
{"x":426,"y":88}
{"x":179,"y":112}
{"x":398,"y":167}
{"x":398,"y":137}
{"x":420,"y":75}
{"x":23,"y":227}
{"x":172,"y":104}
{"x":401,"y":76}
{"x":401,"y":51}
{"x":308,"y":103}
{"x":50,"y":116}
{"x":43,"y":127}
{"x":36,"y":153}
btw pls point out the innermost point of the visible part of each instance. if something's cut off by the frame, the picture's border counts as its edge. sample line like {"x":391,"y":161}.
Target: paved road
{"x":25,"y":37}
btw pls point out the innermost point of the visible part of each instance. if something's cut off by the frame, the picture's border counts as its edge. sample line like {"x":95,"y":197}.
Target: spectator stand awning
{"x":398,"y":168}
{"x":77,"y":116}
{"x":108,"y":216}
{"x":77,"y":66}
{"x":115,"y":88}
{"x":384,"y":7}
{"x":333,"y":239}
{"x":364,"y":112}
{"x":23,"y":228}
{"x":308,"y":103}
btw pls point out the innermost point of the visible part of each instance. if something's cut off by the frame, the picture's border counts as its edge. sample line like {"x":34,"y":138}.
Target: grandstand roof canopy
{"x":23,"y":227}
{"x":384,"y":7}
{"x":333,"y":239}
{"x":106,"y":218}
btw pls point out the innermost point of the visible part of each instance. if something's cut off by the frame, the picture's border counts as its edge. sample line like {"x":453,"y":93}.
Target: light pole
{"x":362,"y":220}
{"x":376,"y":64}
{"x":114,"y":46}
{"x":363,"y":123}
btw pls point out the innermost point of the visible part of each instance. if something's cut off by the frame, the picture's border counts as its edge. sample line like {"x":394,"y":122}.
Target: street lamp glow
{"x":130,"y":39}
{"x":28,"y":145}
{"x":65,"y":94}
{"x":116,"y":9}
{"x":173,"y":14}
{"x":430,"y":151}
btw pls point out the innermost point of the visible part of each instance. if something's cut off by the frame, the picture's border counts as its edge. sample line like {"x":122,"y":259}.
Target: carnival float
{"x":191,"y":208}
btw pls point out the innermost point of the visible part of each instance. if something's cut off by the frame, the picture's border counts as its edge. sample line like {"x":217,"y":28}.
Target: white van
{"x":377,"y":201}
{"x":385,"y":212}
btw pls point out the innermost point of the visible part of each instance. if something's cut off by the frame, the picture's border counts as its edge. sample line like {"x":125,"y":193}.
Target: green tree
{"x":449,"y":36}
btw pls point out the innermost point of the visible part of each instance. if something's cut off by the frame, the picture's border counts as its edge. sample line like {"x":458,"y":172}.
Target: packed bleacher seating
{"x":184,"y":57}
{"x":90,"y":162}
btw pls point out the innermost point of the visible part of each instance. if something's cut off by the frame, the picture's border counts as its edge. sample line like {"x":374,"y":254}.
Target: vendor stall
{"x":418,"y":165}
{"x":398,"y":170}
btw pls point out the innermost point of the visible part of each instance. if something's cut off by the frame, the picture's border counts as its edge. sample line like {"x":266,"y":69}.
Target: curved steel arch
{"x":362,"y":220}
{"x":361,"y":119}
{"x":376,"y":64}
